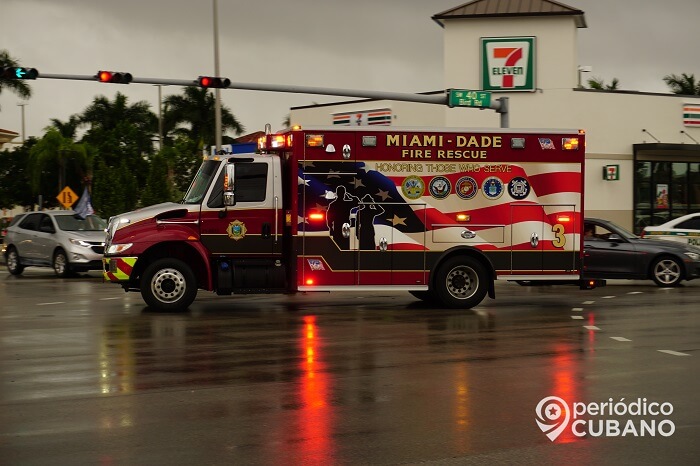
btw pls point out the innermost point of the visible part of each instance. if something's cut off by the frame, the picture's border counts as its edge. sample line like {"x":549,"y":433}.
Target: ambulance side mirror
{"x":230,"y":176}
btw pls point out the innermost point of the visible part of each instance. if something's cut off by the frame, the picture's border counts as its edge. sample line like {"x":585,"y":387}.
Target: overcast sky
{"x":386,"y":45}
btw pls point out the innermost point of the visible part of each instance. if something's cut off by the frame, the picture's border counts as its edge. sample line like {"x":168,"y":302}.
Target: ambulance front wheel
{"x":461,"y":282}
{"x":168,"y":285}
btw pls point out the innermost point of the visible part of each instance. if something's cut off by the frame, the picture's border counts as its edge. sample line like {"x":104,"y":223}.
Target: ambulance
{"x":439,"y":213}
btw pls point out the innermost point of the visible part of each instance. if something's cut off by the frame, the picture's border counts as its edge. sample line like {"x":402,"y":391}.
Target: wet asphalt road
{"x":89,"y":376}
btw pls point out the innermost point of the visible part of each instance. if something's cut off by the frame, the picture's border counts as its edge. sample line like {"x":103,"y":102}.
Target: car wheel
{"x":13,"y":262}
{"x":168,"y":285}
{"x":60,"y":264}
{"x":461,"y":282}
{"x":667,"y":271}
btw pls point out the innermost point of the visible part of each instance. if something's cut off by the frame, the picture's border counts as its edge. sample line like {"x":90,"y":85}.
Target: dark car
{"x":612,"y":252}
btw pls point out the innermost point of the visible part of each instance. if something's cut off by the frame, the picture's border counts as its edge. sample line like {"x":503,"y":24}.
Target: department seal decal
{"x":492,"y":187}
{"x":236,"y":230}
{"x":519,"y":188}
{"x":439,"y":187}
{"x":413,"y":187}
{"x":466,"y":187}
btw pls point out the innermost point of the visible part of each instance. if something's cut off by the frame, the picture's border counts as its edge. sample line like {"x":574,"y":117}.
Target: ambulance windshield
{"x":201,"y":182}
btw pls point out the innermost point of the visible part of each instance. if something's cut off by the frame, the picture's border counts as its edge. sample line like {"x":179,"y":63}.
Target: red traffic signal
{"x":213,"y":82}
{"x":17,"y":72}
{"x":115,"y":77}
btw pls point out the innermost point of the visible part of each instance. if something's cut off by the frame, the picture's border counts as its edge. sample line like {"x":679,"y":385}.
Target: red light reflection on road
{"x":565,"y":386}
{"x":316,"y":415}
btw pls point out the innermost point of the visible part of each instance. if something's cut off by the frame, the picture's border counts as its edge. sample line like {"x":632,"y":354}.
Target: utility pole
{"x":217,"y":92}
{"x":23,"y":133}
{"x":160,"y":117}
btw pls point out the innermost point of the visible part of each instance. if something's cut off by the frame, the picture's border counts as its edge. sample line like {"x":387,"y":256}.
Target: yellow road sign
{"x":67,"y":197}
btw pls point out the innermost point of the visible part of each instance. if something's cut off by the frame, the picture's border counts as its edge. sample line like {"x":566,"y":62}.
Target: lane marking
{"x":577,"y":317}
{"x":577,"y":309}
{"x":608,"y":297}
{"x":588,"y":302}
{"x":635,"y":292}
{"x":107,"y":299}
{"x":591,"y":327}
{"x":620,"y":339}
{"x":48,"y":304}
{"x":673,"y":353}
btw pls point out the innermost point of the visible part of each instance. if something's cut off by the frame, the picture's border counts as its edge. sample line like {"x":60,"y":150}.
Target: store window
{"x":664,"y":191}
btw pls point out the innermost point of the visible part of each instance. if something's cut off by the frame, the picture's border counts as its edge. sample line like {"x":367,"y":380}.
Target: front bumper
{"x":118,"y":269}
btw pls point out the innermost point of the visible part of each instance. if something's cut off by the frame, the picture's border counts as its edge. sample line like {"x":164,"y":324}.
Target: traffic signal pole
{"x":500,"y":105}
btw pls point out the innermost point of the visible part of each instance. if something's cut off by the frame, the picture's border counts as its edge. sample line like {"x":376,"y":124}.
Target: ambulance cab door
{"x":251,"y":228}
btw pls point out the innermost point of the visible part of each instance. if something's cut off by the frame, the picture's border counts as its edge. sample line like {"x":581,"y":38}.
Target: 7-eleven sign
{"x":508,"y":63}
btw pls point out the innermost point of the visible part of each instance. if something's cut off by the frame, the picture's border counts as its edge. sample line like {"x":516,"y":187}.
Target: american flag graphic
{"x":417,"y":224}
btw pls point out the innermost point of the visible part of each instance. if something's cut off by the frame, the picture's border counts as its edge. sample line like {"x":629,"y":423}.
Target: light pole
{"x":160,"y":116}
{"x":583,"y":69}
{"x":217,"y":93}
{"x":22,"y":105}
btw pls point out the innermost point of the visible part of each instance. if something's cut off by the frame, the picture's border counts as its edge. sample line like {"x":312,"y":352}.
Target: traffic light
{"x":213,"y":82}
{"x":17,"y":72}
{"x":114,"y":77}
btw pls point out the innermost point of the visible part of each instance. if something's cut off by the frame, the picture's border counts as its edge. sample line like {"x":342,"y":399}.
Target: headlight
{"x":118,"y":248}
{"x":79,"y":242}
{"x":694,"y":256}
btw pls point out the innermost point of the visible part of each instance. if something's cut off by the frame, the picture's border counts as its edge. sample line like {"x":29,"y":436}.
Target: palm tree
{"x":67,"y":129}
{"x":104,"y":115}
{"x":683,"y":84}
{"x":19,"y":87}
{"x":195,"y":108}
{"x":599,"y":84}
{"x":53,"y":149}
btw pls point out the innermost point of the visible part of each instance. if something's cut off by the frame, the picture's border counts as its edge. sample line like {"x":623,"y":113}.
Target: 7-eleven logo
{"x":508,"y":64}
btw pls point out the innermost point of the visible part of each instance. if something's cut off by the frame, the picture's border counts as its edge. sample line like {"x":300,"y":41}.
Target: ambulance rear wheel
{"x":168,"y":285}
{"x":461,"y":283}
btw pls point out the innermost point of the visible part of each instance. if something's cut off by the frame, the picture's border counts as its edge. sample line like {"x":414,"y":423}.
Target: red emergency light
{"x":317,"y":216}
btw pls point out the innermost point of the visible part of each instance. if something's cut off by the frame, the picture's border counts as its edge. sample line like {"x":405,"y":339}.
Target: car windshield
{"x":70,"y":222}
{"x":201,"y":182}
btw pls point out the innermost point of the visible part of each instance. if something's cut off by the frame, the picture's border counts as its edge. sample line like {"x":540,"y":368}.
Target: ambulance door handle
{"x":346,"y":230}
{"x":383,"y":244}
{"x":534,"y":240}
{"x":276,"y":207}
{"x":468,"y":234}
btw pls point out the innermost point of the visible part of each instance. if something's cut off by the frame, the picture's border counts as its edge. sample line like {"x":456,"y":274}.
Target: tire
{"x":168,"y":285}
{"x":426,"y":296}
{"x":461,"y":283}
{"x":667,"y":271}
{"x":60,"y":264}
{"x":13,"y":262}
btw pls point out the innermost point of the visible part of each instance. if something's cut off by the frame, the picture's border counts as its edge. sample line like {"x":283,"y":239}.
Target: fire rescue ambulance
{"x":441,"y":214}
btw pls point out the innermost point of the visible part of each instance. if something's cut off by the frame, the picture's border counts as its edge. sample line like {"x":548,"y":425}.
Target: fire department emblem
{"x":413,"y":187}
{"x":236,"y":230}
{"x":466,"y":187}
{"x":492,"y":187}
{"x":439,"y":187}
{"x":518,"y":188}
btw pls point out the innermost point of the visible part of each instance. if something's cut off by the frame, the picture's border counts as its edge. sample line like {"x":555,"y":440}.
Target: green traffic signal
{"x":17,"y":72}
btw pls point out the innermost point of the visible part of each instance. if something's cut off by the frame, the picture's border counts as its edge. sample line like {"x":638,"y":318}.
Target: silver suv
{"x":58,"y":239}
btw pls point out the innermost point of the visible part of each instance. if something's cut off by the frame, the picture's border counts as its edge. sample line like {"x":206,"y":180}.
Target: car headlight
{"x":79,"y":242}
{"x":694,"y":256}
{"x":118,"y":248}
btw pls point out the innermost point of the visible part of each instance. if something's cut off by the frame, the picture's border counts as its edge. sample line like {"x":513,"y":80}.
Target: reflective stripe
{"x":117,"y":269}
